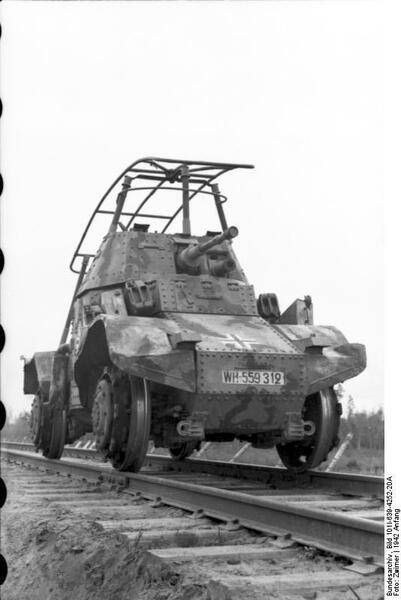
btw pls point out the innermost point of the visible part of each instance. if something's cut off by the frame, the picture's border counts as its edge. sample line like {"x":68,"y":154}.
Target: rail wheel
{"x":183,"y":451}
{"x":322,"y":409}
{"x":58,"y":423}
{"x":131,"y":422}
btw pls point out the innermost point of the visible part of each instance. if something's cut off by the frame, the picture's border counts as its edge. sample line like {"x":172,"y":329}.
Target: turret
{"x":190,"y":257}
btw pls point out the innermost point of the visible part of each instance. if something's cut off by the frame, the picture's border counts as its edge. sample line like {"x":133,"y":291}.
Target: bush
{"x":17,"y":430}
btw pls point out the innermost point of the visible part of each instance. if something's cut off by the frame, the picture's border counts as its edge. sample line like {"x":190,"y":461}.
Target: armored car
{"x":165,"y":339}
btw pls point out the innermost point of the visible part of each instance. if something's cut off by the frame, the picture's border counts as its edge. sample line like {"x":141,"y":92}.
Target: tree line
{"x":367,"y":428}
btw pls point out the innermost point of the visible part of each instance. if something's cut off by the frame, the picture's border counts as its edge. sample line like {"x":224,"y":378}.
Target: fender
{"x":38,"y":373}
{"x":142,"y":346}
{"x":330,"y":358}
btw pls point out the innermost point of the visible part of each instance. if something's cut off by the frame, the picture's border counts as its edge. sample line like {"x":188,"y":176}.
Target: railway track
{"x":232,"y":514}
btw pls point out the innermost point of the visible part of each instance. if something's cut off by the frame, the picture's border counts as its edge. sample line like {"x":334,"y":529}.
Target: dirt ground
{"x":52,"y":557}
{"x":56,"y":554}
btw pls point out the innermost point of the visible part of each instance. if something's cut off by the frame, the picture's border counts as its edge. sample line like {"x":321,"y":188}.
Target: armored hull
{"x":166,"y":340}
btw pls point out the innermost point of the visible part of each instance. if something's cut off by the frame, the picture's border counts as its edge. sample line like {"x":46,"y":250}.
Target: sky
{"x":295,"y":88}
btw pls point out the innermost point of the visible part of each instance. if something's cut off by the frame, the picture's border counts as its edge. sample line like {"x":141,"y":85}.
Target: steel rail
{"x":344,"y":483}
{"x":355,"y":538}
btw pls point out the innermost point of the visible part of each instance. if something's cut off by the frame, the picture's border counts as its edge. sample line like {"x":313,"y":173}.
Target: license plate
{"x":256,"y":377}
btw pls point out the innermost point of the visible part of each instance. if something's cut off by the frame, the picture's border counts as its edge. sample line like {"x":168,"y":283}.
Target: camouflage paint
{"x":37,"y":373}
{"x":148,"y":313}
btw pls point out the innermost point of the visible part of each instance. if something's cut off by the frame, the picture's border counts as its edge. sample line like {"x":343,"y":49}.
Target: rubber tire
{"x":37,"y":435}
{"x":58,"y":434}
{"x":183,"y":451}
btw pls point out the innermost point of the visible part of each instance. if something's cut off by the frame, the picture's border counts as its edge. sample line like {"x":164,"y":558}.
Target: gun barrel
{"x":191,"y":254}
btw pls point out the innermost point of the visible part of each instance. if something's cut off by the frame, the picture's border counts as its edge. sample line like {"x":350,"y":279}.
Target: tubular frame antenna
{"x":193,"y":176}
